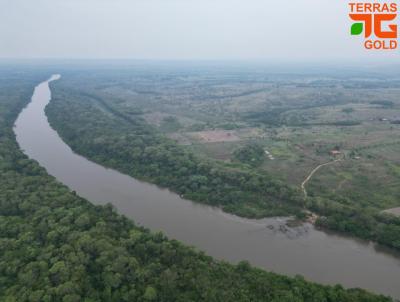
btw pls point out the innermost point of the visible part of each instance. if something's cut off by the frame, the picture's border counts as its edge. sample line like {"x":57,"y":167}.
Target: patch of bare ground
{"x":394,"y":211}
{"x":215,"y":136}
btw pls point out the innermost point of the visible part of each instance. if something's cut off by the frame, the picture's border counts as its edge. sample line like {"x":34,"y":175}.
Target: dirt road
{"x":303,"y":184}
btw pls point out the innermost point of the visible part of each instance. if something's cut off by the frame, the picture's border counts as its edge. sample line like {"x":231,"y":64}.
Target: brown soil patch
{"x":215,"y":136}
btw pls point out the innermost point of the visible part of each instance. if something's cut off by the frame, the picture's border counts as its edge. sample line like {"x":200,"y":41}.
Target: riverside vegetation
{"x":56,"y":246}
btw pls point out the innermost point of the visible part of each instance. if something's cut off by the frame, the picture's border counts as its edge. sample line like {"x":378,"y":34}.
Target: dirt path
{"x":303,"y":184}
{"x":394,"y":211}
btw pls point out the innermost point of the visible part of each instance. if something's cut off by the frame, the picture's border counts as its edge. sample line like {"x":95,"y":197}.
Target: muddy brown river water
{"x":267,"y":243}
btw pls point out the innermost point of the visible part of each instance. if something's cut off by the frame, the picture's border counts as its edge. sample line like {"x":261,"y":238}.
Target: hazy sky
{"x":181,"y":29}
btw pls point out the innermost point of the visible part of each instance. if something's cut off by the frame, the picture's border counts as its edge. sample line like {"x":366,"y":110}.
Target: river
{"x":267,"y":243}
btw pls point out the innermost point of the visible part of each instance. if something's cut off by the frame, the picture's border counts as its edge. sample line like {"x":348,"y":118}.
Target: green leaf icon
{"x":357,"y":29}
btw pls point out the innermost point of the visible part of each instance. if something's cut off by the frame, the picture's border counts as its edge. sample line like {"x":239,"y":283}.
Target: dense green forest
{"x":93,"y":126}
{"x":56,"y":246}
{"x":251,"y":154}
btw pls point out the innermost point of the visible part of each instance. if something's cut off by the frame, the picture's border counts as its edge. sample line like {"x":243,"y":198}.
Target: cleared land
{"x":215,"y":136}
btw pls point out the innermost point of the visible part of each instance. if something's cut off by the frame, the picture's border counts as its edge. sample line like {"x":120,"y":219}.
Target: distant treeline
{"x":282,"y":115}
{"x":384,"y":104}
{"x":336,"y":123}
{"x":275,"y":118}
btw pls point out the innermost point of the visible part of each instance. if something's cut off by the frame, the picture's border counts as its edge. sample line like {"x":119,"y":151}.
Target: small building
{"x":335,"y":153}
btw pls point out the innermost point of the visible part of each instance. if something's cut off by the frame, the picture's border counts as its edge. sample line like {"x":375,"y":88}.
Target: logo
{"x":377,"y":22}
